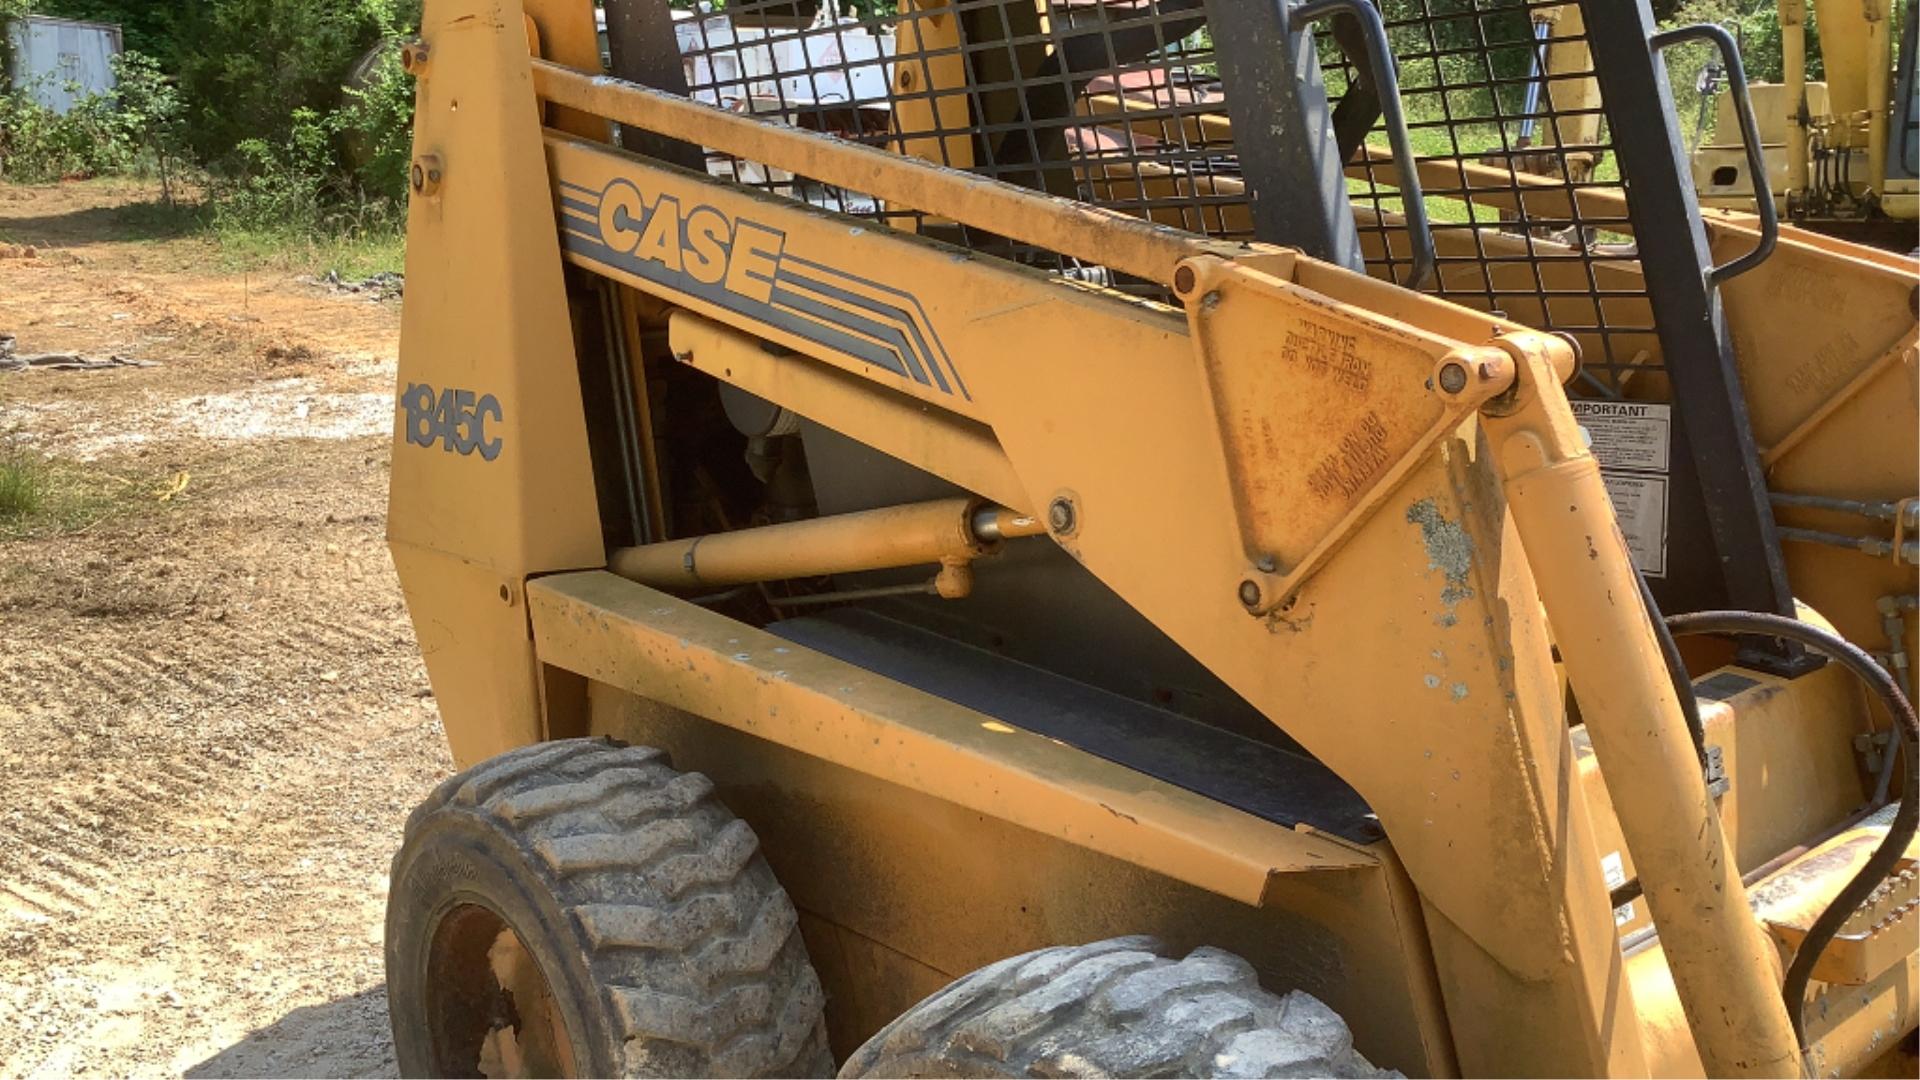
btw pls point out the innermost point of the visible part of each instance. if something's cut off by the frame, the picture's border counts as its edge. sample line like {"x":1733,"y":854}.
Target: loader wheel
{"x":579,"y":908}
{"x":1113,"y":1008}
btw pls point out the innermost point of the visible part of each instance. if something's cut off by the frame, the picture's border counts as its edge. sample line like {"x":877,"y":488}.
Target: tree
{"x":245,"y":66}
{"x":146,"y":27}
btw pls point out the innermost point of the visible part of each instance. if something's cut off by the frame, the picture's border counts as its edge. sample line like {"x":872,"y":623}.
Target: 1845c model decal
{"x":455,"y":419}
{"x":744,"y":267}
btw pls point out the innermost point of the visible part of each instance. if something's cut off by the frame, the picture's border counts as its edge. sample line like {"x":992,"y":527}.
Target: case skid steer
{"x":1129,"y":537}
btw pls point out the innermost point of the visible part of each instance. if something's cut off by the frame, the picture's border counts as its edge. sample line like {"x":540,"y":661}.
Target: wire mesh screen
{"x":1112,"y":102}
{"x":1119,"y":103}
{"x":1516,"y":166}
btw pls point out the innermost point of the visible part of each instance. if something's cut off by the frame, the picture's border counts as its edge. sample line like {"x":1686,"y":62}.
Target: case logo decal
{"x":745,"y":267}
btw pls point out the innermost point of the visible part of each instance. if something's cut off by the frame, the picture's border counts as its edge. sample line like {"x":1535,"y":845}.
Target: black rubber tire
{"x":666,"y":945}
{"x":1113,"y":1008}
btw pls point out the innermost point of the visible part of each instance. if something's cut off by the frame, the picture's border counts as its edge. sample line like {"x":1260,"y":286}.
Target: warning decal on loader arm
{"x":1633,"y":440}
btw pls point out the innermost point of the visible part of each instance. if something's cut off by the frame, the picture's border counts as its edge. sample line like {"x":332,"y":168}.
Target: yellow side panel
{"x":900,"y":892}
{"x":472,"y":628}
{"x":1827,"y":360}
{"x":491,"y":478}
{"x":624,"y":634}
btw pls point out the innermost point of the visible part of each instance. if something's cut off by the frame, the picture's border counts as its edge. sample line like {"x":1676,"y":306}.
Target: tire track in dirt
{"x":78,"y":861}
{"x":71,"y":681}
{"x":57,"y":879}
{"x":158,"y":786}
{"x":211,"y":714}
{"x":185,"y":740}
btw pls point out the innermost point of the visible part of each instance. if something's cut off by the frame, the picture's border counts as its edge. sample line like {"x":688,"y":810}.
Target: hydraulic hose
{"x":1677,"y":671}
{"x":1899,"y":833}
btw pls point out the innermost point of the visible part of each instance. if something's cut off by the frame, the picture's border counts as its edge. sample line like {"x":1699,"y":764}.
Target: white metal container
{"x":61,"y":61}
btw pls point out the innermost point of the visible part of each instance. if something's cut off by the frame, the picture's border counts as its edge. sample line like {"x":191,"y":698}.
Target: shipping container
{"x":60,"y":61}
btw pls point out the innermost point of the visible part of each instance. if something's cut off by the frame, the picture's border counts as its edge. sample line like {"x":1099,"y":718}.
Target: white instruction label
{"x":1628,"y":434}
{"x":1633,"y":441}
{"x":1614,"y":869}
{"x":1640,"y":505}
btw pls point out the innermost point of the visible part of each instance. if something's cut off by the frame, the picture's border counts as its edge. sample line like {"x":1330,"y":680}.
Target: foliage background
{"x":287,"y":117}
{"x":290,"y":118}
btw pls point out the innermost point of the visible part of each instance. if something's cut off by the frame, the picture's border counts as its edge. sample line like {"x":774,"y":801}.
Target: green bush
{"x":292,"y":148}
{"x":376,"y":124}
{"x":152,"y":114}
{"x":293,"y":114}
{"x":281,"y":183}
{"x":37,"y":144}
{"x":132,"y":126}
{"x":295,"y":188}
{"x":1755,"y":24}
{"x":248,"y":67}
{"x":22,"y":487}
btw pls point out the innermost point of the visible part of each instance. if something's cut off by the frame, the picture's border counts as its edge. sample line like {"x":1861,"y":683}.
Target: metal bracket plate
{"x":1320,"y":406}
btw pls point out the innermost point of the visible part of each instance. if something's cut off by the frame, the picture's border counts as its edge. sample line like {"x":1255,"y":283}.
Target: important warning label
{"x":1614,"y":870}
{"x":1633,"y":441}
{"x":1640,"y":505}
{"x":1628,"y":434}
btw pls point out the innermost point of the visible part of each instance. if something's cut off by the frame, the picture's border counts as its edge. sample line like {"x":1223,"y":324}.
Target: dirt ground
{"x":213,"y":720}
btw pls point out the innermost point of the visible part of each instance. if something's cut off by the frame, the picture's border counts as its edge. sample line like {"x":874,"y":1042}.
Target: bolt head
{"x":425,"y":175}
{"x":1249,"y":593}
{"x":1453,"y":378}
{"x":1061,"y":515}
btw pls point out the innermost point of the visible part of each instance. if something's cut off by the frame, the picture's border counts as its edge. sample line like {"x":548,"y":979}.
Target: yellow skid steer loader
{"x":1130,"y":537}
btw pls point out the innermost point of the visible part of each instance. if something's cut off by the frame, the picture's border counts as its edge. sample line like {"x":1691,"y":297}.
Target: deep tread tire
{"x":666,"y":945}
{"x":1113,"y":1008}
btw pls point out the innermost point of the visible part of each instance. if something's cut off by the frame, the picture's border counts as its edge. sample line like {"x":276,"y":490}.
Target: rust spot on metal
{"x":1449,"y":549}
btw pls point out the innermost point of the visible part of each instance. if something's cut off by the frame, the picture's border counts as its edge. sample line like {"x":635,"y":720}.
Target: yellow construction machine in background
{"x":1129,"y":537}
{"x":1843,"y":154}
